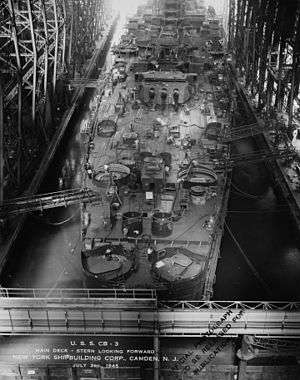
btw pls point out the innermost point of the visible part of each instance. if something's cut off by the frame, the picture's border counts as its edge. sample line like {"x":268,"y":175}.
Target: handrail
{"x":47,"y":201}
{"x":176,"y":305}
{"x":45,"y":293}
{"x":225,"y":305}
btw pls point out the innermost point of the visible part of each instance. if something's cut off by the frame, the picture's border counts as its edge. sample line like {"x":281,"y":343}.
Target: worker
{"x":89,"y":169}
{"x":150,"y":252}
{"x":176,"y":99}
{"x":125,"y":232}
{"x":108,"y":254}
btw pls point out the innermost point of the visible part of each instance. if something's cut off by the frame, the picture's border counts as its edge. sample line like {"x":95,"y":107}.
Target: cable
{"x":251,"y":196}
{"x":56,"y":282}
{"x":55,"y":224}
{"x":251,"y":266}
{"x":238,"y":193}
{"x":258,"y":212}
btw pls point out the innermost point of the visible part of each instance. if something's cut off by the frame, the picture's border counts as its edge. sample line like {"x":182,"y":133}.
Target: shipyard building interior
{"x":149,"y":189}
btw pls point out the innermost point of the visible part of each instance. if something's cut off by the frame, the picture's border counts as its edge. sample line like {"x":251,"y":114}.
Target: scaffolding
{"x":42,"y":42}
{"x":264,"y":40}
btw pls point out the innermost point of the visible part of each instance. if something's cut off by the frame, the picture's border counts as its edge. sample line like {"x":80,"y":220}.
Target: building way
{"x":259,"y":257}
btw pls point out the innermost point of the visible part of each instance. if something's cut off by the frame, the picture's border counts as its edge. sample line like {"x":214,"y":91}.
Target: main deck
{"x":181,"y":137}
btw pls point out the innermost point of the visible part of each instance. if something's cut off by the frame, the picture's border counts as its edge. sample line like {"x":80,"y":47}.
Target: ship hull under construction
{"x":153,"y":154}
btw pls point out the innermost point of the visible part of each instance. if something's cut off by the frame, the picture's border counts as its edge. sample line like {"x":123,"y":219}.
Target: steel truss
{"x":41,"y":42}
{"x":87,"y":22}
{"x":41,"y":202}
{"x":136,"y":312}
{"x":32,"y":40}
{"x":264,"y":37}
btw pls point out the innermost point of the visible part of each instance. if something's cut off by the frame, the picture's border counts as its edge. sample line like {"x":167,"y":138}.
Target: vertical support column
{"x":242,"y":370}
{"x":231,"y":25}
{"x":20,"y":137}
{"x":292,"y":91}
{"x":249,"y":57}
{"x":46,"y":51}
{"x":71,"y":5}
{"x":270,"y":89}
{"x":253,"y":76}
{"x":1,"y":145}
{"x":156,"y":354}
{"x":279,"y":97}
{"x":293,"y":87}
{"x":46,"y":69}
{"x":34,"y":68}
{"x":56,"y":28}
{"x":246,"y":46}
{"x":64,"y":37}
{"x":295,"y":65}
{"x":19,"y":92}
{"x":245,"y":353}
{"x":267,"y":33}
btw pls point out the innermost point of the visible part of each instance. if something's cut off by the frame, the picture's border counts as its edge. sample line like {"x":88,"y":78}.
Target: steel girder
{"x":40,"y":42}
{"x":264,"y":37}
{"x":32,"y":37}
{"x":141,"y":317}
{"x":155,"y":7}
{"x":88,"y":20}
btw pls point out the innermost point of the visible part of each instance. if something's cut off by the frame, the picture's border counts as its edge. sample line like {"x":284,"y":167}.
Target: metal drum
{"x":202,"y":177}
{"x":106,"y":128}
{"x":132,"y":223}
{"x":162,"y":224}
{"x":198,"y":195}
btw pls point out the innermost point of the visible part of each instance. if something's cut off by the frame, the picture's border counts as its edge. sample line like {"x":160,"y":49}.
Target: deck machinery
{"x":148,"y":154}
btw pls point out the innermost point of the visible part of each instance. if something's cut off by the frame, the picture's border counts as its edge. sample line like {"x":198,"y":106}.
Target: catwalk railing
{"x":41,"y":202}
{"x":56,"y":293}
{"x":232,"y":305}
{"x":137,"y":312}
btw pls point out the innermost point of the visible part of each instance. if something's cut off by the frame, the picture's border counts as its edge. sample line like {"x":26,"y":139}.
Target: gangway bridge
{"x":87,"y":82}
{"x":139,"y":312}
{"x":242,"y":132}
{"x":261,"y":155}
{"x":256,"y":128}
{"x":41,"y":202}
